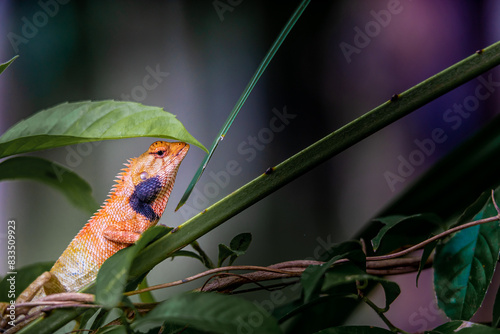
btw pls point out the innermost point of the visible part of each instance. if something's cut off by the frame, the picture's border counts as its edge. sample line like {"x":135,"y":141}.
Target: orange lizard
{"x":135,"y":203}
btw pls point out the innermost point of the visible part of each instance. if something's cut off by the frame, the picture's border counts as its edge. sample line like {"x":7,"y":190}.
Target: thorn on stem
{"x":395,"y":97}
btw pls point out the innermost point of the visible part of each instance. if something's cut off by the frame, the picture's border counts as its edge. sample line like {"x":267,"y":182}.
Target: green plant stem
{"x":380,"y":313}
{"x":316,"y":154}
{"x":206,"y":259}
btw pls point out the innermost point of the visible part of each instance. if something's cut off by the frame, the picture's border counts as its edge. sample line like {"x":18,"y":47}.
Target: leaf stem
{"x":380,"y":313}
{"x":206,"y":259}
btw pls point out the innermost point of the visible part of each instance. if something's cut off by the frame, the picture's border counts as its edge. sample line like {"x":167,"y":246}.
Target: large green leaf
{"x":211,"y":312}
{"x":76,"y":189}
{"x":3,"y":66}
{"x":79,"y":122}
{"x":464,"y":266}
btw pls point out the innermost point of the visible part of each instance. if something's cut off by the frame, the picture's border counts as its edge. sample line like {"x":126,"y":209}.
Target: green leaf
{"x":112,"y":277}
{"x":76,"y":189}
{"x":86,"y":320}
{"x":464,"y":266}
{"x":248,"y":89}
{"x":240,"y":243}
{"x":428,"y":249}
{"x":204,"y":258}
{"x":3,"y":66}
{"x":80,"y":122}
{"x":224,"y":253}
{"x":187,"y":254}
{"x":348,"y":274}
{"x":169,"y":328}
{"x":211,"y":312}
{"x":24,"y":277}
{"x":114,"y":329}
{"x":58,"y":318}
{"x":296,"y":317}
{"x":392,"y":221}
{"x":145,"y":297}
{"x":98,"y":320}
{"x":237,"y":247}
{"x":354,"y":330}
{"x":313,"y":277}
{"x":463,"y":327}
{"x":471,"y":211}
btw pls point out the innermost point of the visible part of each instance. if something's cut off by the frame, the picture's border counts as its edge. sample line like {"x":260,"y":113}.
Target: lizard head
{"x":152,"y":176}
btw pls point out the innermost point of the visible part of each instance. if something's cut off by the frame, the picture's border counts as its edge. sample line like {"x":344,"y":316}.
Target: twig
{"x":211,"y":272}
{"x":234,"y":275}
{"x":439,"y":236}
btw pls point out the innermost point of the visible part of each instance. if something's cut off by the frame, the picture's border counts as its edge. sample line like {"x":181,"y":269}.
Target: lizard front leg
{"x":112,"y":233}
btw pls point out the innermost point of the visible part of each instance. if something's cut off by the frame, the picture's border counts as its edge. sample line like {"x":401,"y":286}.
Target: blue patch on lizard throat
{"x":144,"y":194}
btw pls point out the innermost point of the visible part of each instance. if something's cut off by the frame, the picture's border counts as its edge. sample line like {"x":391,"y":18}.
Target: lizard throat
{"x":144,"y":195}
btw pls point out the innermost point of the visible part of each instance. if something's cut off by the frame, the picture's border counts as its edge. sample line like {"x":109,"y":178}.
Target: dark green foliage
{"x":76,"y":189}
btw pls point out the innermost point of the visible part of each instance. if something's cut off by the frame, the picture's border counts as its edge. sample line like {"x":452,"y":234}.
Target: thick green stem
{"x":336,"y":142}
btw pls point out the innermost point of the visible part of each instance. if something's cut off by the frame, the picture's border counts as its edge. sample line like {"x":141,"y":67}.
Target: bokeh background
{"x":325,"y":75}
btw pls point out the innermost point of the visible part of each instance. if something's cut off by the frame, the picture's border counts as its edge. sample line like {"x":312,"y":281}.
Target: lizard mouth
{"x":182,"y":150}
{"x":179,"y":151}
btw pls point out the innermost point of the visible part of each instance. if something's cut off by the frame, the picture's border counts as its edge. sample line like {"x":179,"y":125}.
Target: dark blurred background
{"x":342,"y":59}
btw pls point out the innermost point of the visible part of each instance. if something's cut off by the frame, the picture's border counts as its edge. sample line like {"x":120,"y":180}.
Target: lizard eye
{"x":160,"y":154}
{"x":144,"y":176}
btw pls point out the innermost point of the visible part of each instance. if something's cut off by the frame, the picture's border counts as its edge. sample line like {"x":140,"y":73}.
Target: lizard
{"x":135,"y":203}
